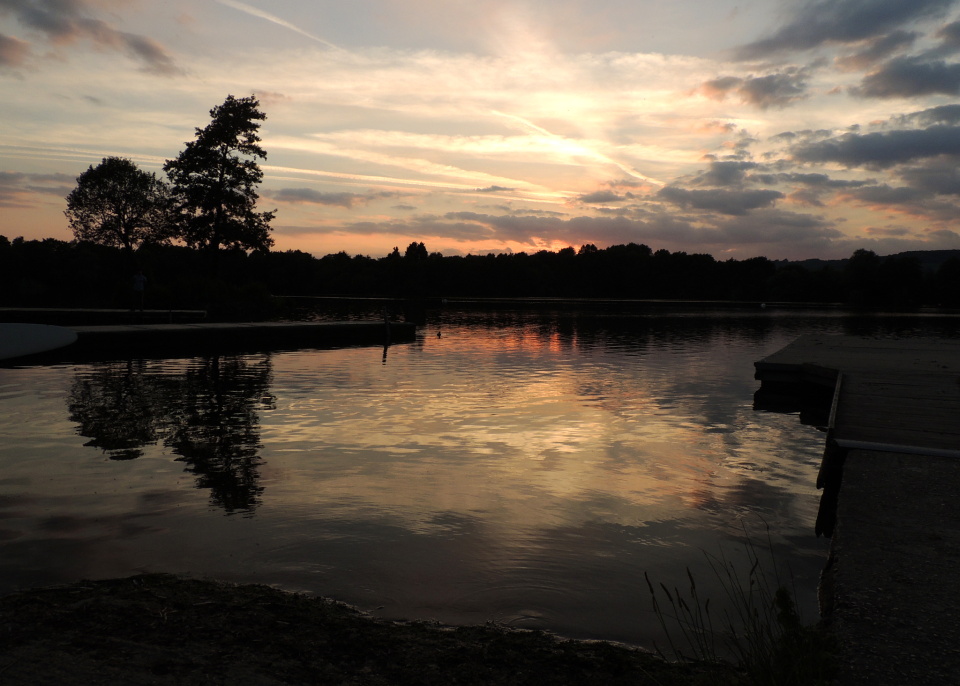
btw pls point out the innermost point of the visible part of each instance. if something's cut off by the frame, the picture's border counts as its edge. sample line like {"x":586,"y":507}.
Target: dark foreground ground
{"x":158,"y":629}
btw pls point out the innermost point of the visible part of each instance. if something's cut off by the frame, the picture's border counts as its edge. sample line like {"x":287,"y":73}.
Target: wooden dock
{"x":86,"y":316}
{"x":172,"y":340}
{"x":888,"y":395}
{"x":891,"y":502}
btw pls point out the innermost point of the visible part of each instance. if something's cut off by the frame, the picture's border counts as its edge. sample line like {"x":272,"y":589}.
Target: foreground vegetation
{"x":757,"y":627}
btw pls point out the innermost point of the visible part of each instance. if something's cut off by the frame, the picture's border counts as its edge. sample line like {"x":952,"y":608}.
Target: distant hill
{"x":815,"y":264}
{"x":930,"y":260}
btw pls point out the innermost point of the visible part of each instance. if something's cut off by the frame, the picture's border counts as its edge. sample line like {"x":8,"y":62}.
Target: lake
{"x":526,"y":466}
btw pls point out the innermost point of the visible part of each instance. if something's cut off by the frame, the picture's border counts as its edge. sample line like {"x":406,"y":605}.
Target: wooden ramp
{"x":851,"y":354}
{"x":889,"y":395}
{"x":891,"y":501}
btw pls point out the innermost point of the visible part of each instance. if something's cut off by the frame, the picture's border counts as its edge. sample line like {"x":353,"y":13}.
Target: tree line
{"x":81,"y":273}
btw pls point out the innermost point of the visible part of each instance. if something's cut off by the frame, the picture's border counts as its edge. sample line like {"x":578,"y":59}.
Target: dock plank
{"x":893,"y":424}
{"x":893,"y":574}
{"x":914,"y":412}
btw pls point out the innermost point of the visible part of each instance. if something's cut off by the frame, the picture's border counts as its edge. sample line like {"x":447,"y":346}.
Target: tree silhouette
{"x":117,"y":204}
{"x":215,"y":178}
{"x":946,"y":283}
{"x":416,"y":251}
{"x":861,"y":273}
{"x":900,"y":281}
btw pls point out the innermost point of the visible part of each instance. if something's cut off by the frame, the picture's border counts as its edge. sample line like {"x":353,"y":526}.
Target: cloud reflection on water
{"x":524,"y":467}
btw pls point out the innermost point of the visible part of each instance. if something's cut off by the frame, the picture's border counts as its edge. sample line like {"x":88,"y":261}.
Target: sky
{"x":790,"y":129}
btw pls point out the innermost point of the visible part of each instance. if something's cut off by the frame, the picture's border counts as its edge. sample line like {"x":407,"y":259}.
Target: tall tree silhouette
{"x":215,"y":178}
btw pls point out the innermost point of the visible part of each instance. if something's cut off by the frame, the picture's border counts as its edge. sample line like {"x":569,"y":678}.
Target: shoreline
{"x":159,"y":629}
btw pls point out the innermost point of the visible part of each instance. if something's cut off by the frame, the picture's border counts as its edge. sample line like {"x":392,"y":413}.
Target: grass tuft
{"x":761,"y":631}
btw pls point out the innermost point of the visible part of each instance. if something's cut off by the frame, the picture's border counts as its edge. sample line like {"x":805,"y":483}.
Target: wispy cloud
{"x":20,"y":190}
{"x":371,"y":148}
{"x":13,"y":52}
{"x":341,"y":199}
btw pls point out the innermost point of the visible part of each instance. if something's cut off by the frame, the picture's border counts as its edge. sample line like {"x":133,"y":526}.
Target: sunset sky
{"x":784,"y":128}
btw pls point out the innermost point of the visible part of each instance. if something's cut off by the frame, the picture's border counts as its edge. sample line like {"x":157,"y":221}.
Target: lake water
{"x":525,"y":467}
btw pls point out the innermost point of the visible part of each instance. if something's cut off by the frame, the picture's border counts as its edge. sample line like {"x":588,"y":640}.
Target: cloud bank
{"x":60,"y":23}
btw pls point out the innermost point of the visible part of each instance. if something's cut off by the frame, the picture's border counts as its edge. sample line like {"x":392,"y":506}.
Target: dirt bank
{"x":161,"y":630}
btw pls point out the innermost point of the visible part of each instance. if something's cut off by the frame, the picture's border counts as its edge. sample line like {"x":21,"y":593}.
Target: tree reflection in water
{"x":116,"y":407}
{"x":216,"y":428}
{"x":206,"y":411}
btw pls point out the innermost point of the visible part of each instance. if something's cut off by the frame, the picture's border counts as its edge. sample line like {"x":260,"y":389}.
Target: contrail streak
{"x":256,"y":12}
{"x":594,"y":153}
